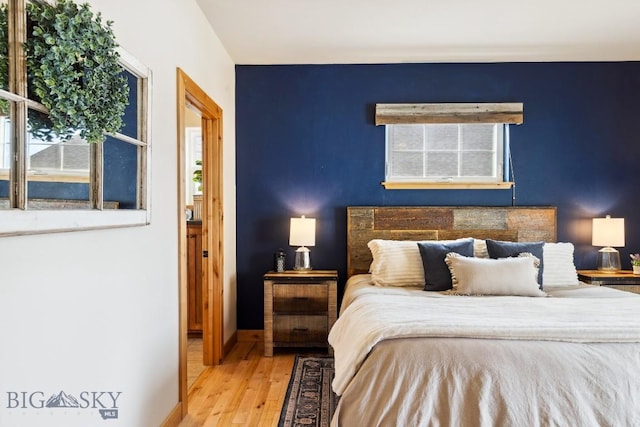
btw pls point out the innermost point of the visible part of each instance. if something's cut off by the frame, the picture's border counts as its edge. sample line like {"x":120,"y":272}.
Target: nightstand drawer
{"x":300,"y":298}
{"x":300,"y":329}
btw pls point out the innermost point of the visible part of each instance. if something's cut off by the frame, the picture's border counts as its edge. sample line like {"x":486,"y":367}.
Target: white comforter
{"x":371,"y":315}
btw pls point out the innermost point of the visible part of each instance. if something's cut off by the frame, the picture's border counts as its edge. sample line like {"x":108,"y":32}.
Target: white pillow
{"x":504,"y":276}
{"x":397,"y":262}
{"x":559,"y":269}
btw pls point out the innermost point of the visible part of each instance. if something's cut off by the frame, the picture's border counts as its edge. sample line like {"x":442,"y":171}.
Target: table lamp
{"x":608,"y":232}
{"x":302,"y":233}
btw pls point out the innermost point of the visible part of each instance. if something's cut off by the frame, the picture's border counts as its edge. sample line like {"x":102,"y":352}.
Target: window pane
{"x":5,"y":141}
{"x":51,"y":154}
{"x":407,"y":137}
{"x":442,"y":164}
{"x":406,"y":164}
{"x":130,"y":117}
{"x":442,"y":137}
{"x":70,"y":156}
{"x":57,"y":168}
{"x":5,"y":154}
{"x":478,"y":136}
{"x":120,"y":174}
{"x":121,"y":158}
{"x":477,"y":163}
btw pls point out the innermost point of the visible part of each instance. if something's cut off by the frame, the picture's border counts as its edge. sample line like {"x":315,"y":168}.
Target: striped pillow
{"x":559,"y":269}
{"x":397,"y":262}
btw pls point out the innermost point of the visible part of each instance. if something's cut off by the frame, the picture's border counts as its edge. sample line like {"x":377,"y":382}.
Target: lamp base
{"x":609,"y":260}
{"x":303,"y":259}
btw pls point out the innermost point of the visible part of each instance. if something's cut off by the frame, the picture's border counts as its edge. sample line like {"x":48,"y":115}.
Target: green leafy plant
{"x":635,"y":259}
{"x":197,"y":175}
{"x":73,"y":70}
{"x":4,"y":59}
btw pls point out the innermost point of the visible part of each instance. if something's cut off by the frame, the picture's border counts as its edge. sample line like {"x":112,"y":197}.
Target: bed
{"x":564,"y":355}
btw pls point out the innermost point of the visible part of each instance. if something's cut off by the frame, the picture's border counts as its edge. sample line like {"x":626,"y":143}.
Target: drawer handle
{"x":300,"y":298}
{"x":300,"y":329}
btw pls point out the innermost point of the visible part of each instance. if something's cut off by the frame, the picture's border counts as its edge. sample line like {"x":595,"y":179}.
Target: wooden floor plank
{"x":250,"y":397}
{"x":219,"y":384}
{"x":247,"y":389}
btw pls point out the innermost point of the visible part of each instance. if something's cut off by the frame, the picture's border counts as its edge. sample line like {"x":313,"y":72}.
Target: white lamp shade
{"x":302,"y":232}
{"x":608,"y":232}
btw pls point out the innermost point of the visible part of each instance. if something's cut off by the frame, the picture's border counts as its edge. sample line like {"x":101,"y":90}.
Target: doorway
{"x":193,"y":201}
{"x":209,"y":253}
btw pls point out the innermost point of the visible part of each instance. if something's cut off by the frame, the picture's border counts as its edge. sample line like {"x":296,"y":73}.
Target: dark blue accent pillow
{"x":437,"y":276}
{"x":498,"y":249}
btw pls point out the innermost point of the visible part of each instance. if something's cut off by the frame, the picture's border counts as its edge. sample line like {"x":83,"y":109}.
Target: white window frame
{"x":394,"y":171}
{"x":14,"y":221}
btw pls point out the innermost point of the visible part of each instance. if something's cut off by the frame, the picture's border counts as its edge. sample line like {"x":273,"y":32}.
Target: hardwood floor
{"x":194,"y":360}
{"x":247,"y":389}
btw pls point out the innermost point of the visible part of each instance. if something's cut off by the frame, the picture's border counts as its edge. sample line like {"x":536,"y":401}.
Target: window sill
{"x":69,"y":178}
{"x":447,"y":185}
{"x":15,"y":222}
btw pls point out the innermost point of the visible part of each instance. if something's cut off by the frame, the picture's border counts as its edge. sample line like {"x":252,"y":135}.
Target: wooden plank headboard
{"x":519,"y":224}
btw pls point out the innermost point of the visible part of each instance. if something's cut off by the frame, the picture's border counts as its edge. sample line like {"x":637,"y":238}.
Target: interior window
{"x":42,"y":171}
{"x":448,"y":145}
{"x":445,"y":152}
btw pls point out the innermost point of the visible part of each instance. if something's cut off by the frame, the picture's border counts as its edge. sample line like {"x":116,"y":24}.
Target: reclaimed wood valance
{"x":505,"y":112}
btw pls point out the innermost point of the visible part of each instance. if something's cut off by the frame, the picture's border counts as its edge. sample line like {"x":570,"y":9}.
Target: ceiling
{"x":376,"y":31}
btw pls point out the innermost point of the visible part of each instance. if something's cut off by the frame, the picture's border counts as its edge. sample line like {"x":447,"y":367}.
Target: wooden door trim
{"x":212,"y":227}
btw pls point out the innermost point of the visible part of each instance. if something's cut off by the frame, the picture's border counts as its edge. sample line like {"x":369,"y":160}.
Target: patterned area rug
{"x":309,"y":401}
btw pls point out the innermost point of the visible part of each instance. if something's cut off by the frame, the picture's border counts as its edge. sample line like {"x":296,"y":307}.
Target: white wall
{"x":97,"y":311}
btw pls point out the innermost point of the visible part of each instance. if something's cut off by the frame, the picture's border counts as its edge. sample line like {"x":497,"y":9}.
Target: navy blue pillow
{"x":498,"y":249}
{"x":436,"y":272}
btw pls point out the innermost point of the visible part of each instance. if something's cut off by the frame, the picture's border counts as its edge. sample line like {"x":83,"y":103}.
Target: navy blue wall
{"x":307,"y":144}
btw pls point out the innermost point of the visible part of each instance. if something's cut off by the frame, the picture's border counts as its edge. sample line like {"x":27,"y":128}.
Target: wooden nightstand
{"x":624,"y":280}
{"x":194,"y":278}
{"x":299,"y":308}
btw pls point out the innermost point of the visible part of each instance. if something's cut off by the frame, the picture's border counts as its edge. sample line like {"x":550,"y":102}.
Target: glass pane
{"x":130,"y":117}
{"x":407,"y":137}
{"x":4,"y":47}
{"x":5,"y":154}
{"x":121,"y":158}
{"x":57,"y":168}
{"x":478,"y":137}
{"x":120,"y":174}
{"x":442,"y":137}
{"x":406,"y":164}
{"x":477,"y":163}
{"x":442,"y":164}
